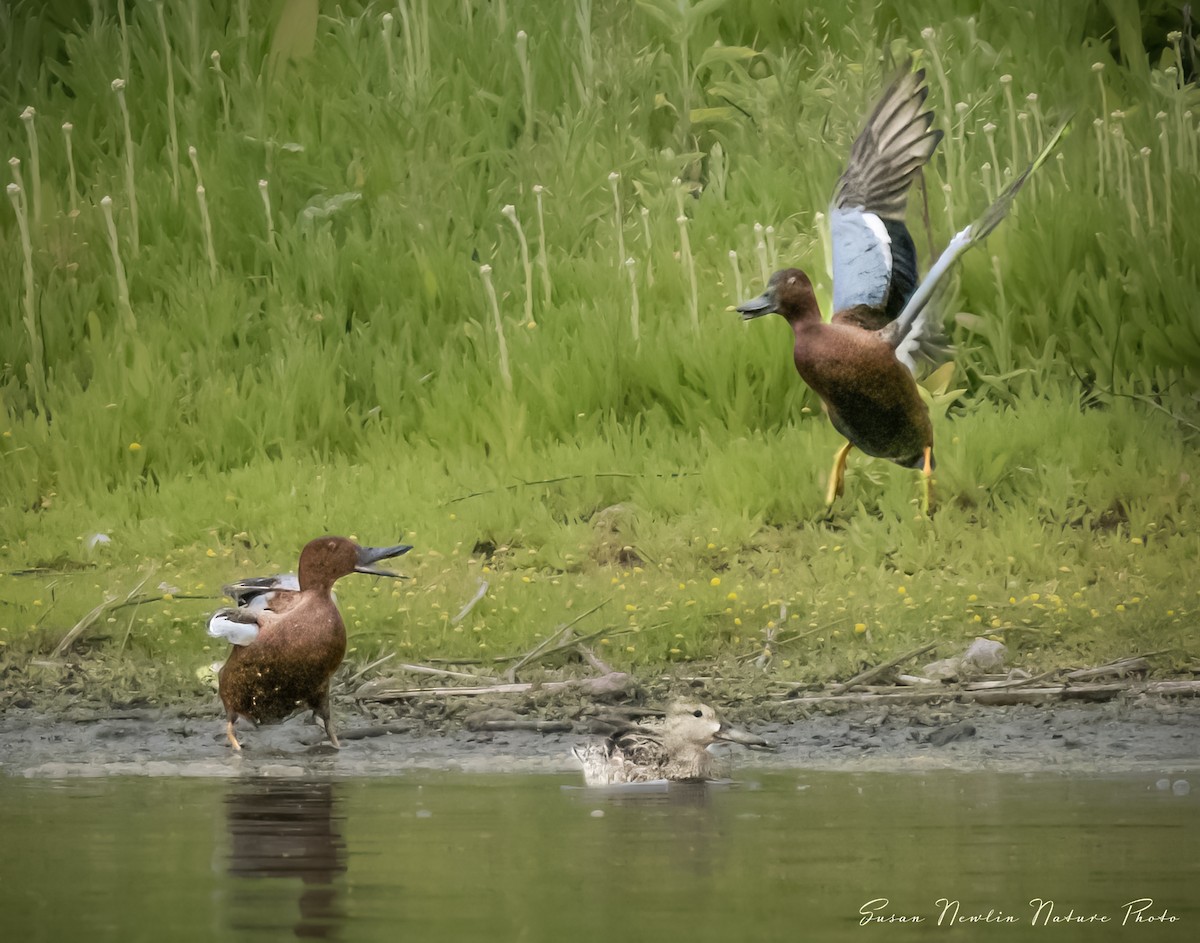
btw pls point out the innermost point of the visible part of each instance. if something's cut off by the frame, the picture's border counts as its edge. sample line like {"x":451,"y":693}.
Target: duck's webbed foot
{"x":837,"y":477}
{"x":927,"y":482}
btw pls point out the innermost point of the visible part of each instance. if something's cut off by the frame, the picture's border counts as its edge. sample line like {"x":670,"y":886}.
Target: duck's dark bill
{"x":737,"y":735}
{"x":757,"y":307}
{"x":368,"y":556}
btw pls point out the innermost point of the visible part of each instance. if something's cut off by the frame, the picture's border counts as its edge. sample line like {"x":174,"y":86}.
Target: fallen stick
{"x":612,"y":683}
{"x":864,"y":676}
{"x":1011,"y":695}
{"x":479,"y":594}
{"x":1135,"y":665}
{"x":85,"y":623}
{"x":541,"y":647}
{"x":538,"y":726}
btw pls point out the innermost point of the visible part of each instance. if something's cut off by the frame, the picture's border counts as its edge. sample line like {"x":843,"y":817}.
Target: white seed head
{"x":538,"y":188}
{"x":614,"y":177}
{"x":758,"y":229}
{"x":1006,"y":79}
{"x":262,"y":185}
{"x":13,"y":190}
{"x":946,"y":188}
{"x":118,"y":85}
{"x":770,"y":230}
{"x":106,"y":202}
{"x":1145,"y":152}
{"x":1161,"y":116}
{"x":522,"y":36}
{"x":961,"y":108}
{"x":215,"y":56}
{"x":485,"y":270}
{"x":1117,"y":115}
{"x":14,"y":163}
{"x":1174,"y":36}
{"x":989,"y":128}
{"x":387,"y":21}
{"x":1022,"y":117}
{"x":1097,"y":66}
{"x":68,"y":127}
{"x":510,"y":211}
{"x":732,"y":255}
{"x":192,"y":152}
{"x":986,"y":166}
{"x":681,"y":220}
{"x":200,"y":191}
{"x":1097,"y":122}
{"x":1170,"y":71}
{"x":28,"y":113}
{"x":630,"y":262}
{"x":645,"y":211}
{"x":927,"y":33}
{"x":1031,"y":97}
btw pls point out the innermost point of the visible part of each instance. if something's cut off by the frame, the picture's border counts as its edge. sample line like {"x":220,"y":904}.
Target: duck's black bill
{"x":757,"y":307}
{"x":369,"y":556}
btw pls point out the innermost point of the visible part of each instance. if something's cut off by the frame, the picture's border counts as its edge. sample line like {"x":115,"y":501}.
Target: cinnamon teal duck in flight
{"x":675,"y":749}
{"x":288,"y":642}
{"x":862,"y":363}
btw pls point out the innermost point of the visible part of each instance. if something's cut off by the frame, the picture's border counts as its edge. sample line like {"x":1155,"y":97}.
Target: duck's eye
{"x":697,"y":713}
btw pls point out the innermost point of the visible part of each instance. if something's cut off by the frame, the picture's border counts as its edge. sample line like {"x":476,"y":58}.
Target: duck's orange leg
{"x":837,"y":477}
{"x":233,"y":740}
{"x":927,"y":480}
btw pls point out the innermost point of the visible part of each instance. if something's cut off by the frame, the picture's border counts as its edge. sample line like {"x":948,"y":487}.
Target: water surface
{"x":430,"y":857}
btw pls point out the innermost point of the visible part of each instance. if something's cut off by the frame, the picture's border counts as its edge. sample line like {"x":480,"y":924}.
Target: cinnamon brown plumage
{"x":285,"y":652}
{"x":861,"y":364}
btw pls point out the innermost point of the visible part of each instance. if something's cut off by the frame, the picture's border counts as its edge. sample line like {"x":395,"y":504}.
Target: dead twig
{"x":465,"y":610}
{"x":608,"y":684}
{"x":863,"y":676}
{"x":543,"y":647}
{"x":86,"y":622}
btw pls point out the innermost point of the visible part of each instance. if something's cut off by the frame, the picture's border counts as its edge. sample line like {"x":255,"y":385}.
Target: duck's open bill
{"x":757,"y":307}
{"x":738,"y":735}
{"x":367,"y":556}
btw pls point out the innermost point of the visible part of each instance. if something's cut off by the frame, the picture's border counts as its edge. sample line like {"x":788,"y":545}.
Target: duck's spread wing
{"x":874,"y":259}
{"x":914,"y":325}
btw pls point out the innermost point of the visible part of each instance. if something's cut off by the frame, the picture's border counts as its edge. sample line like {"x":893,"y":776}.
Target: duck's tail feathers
{"x":905,"y":333}
{"x":895,"y":143}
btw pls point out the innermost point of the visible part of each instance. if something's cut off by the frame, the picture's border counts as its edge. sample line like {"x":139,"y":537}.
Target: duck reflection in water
{"x":290,"y":830}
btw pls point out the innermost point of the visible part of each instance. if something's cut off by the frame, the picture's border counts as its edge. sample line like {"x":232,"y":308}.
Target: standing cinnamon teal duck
{"x":862,"y":363}
{"x":676,"y":749}
{"x":287,"y":643}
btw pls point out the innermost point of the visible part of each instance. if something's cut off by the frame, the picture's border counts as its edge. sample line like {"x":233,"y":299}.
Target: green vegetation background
{"x":307,"y":345}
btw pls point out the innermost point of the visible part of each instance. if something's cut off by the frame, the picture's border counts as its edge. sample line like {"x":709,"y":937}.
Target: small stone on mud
{"x":1181,"y":787}
{"x":597,"y":813}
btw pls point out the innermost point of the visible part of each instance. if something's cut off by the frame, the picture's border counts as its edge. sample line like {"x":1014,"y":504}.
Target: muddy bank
{"x":1159,"y":737}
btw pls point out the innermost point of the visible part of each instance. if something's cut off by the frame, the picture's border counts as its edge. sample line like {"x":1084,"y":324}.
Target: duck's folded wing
{"x":237,"y":626}
{"x":259,"y":593}
{"x":874,"y":259}
{"x":914,"y":325}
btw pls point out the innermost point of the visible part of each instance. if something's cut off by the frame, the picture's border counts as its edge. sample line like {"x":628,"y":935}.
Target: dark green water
{"x":783,"y":856}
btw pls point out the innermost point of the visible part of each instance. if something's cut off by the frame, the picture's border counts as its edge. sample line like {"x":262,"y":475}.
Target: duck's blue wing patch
{"x":862,"y":258}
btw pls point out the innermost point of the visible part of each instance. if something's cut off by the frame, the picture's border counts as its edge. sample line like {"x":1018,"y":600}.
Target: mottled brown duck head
{"x":691,"y":722}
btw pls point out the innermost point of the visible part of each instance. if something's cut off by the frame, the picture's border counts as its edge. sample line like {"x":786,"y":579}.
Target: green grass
{"x":339,"y":372}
